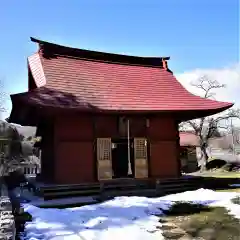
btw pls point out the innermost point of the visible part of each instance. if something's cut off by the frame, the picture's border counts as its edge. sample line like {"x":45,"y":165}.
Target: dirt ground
{"x":212,"y":224}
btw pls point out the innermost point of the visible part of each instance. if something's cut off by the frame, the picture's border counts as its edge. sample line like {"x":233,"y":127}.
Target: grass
{"x":218,"y":174}
{"x":229,"y":190}
{"x":185,"y":208}
{"x":195,"y":221}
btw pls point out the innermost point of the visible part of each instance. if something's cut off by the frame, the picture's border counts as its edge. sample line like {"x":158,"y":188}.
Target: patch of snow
{"x":120,"y":218}
{"x":201,"y":196}
{"x":209,"y":197}
{"x":235,"y":185}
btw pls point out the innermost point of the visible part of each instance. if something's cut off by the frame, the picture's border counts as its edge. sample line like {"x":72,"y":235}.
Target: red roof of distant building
{"x":83,"y":79}
{"x":188,"y":139}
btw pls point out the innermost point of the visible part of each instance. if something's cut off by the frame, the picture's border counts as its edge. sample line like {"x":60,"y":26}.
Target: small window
{"x":140,"y":148}
{"x":104,"y":149}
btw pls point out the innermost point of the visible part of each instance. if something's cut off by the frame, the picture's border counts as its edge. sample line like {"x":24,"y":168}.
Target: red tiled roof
{"x":70,"y":81}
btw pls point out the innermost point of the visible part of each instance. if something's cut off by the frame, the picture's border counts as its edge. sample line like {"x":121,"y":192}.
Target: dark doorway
{"x":120,"y":158}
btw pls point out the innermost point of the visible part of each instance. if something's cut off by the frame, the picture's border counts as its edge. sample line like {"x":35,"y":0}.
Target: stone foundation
{"x":7,"y":223}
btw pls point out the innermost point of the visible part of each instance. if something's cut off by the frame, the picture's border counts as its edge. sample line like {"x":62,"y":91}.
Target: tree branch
{"x":207,"y":85}
{"x":2,"y":97}
{"x":207,"y":127}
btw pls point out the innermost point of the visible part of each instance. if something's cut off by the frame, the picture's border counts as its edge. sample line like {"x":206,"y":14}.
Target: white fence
{"x":31,"y":170}
{"x":224,"y":154}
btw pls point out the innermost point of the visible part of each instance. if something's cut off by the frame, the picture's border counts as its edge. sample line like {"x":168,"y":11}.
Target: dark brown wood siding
{"x":47,"y":147}
{"x":75,"y":159}
{"x":162,"y":134}
{"x":74,"y":149}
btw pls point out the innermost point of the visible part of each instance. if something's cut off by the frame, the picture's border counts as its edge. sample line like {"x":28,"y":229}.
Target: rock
{"x":161,"y":220}
{"x":6,"y":230}
{"x":207,"y":233}
{"x":186,"y":237}
{"x":5,"y":204}
{"x":6,"y":214}
{"x":168,"y":225}
{"x":7,"y":222}
{"x":175,"y":233}
{"x":7,"y":237}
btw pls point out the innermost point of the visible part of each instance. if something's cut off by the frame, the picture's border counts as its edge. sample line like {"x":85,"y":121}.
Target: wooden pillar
{"x":178,"y":148}
{"x":47,"y":152}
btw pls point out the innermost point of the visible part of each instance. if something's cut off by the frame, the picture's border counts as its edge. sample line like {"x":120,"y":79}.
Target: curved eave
{"x":22,"y":112}
{"x":194,"y":114}
{"x":25,"y":104}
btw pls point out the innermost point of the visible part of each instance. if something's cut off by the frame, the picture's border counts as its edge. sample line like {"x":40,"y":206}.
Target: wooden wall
{"x":47,"y":156}
{"x":163,"y":137}
{"x":74,"y":149}
{"x":75,"y":137}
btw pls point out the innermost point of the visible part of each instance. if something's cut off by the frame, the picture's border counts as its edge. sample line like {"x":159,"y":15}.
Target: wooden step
{"x":176,"y":188}
{"x":177,"y":185}
{"x":83,"y":188}
{"x":75,"y":193}
{"x":108,"y":187}
{"x":140,"y":193}
{"x":130,"y":187}
{"x":68,"y":187}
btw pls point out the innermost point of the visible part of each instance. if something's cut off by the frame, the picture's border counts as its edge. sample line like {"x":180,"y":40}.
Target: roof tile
{"x":83,"y":83}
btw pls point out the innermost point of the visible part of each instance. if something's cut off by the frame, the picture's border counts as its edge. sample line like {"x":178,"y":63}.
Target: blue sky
{"x":195,"y":34}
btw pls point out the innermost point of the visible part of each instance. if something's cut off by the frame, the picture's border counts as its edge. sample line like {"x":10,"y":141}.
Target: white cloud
{"x":230,"y":76}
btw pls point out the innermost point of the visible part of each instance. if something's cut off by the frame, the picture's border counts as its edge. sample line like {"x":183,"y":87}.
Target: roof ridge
{"x":106,"y":61}
{"x":51,"y":49}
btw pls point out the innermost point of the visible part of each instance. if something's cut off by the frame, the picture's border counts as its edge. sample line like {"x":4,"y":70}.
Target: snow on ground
{"x":25,"y":196}
{"x":132,"y":218}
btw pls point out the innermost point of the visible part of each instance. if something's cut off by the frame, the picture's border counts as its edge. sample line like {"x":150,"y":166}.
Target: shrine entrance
{"x":122,"y":158}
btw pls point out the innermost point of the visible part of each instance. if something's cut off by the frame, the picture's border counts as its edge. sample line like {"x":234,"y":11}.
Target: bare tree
{"x":208,"y":127}
{"x":235,"y":132}
{"x":2,"y":98}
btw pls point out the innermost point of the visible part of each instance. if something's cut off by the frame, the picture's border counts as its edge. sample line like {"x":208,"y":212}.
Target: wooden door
{"x":104,"y":158}
{"x":140,"y":158}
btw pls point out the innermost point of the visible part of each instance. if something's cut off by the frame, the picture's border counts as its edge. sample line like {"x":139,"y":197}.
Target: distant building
{"x":189,"y":148}
{"x":218,"y":148}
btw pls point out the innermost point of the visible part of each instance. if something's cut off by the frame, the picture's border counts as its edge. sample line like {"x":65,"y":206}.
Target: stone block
{"x":7,"y":223}
{"x":5,"y":204}
{"x":7,"y":236}
{"x":6,"y":214}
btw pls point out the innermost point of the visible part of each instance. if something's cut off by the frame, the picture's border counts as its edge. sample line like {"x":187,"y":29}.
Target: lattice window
{"x":140,"y":148}
{"x":104,"y":158}
{"x":104,"y":148}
